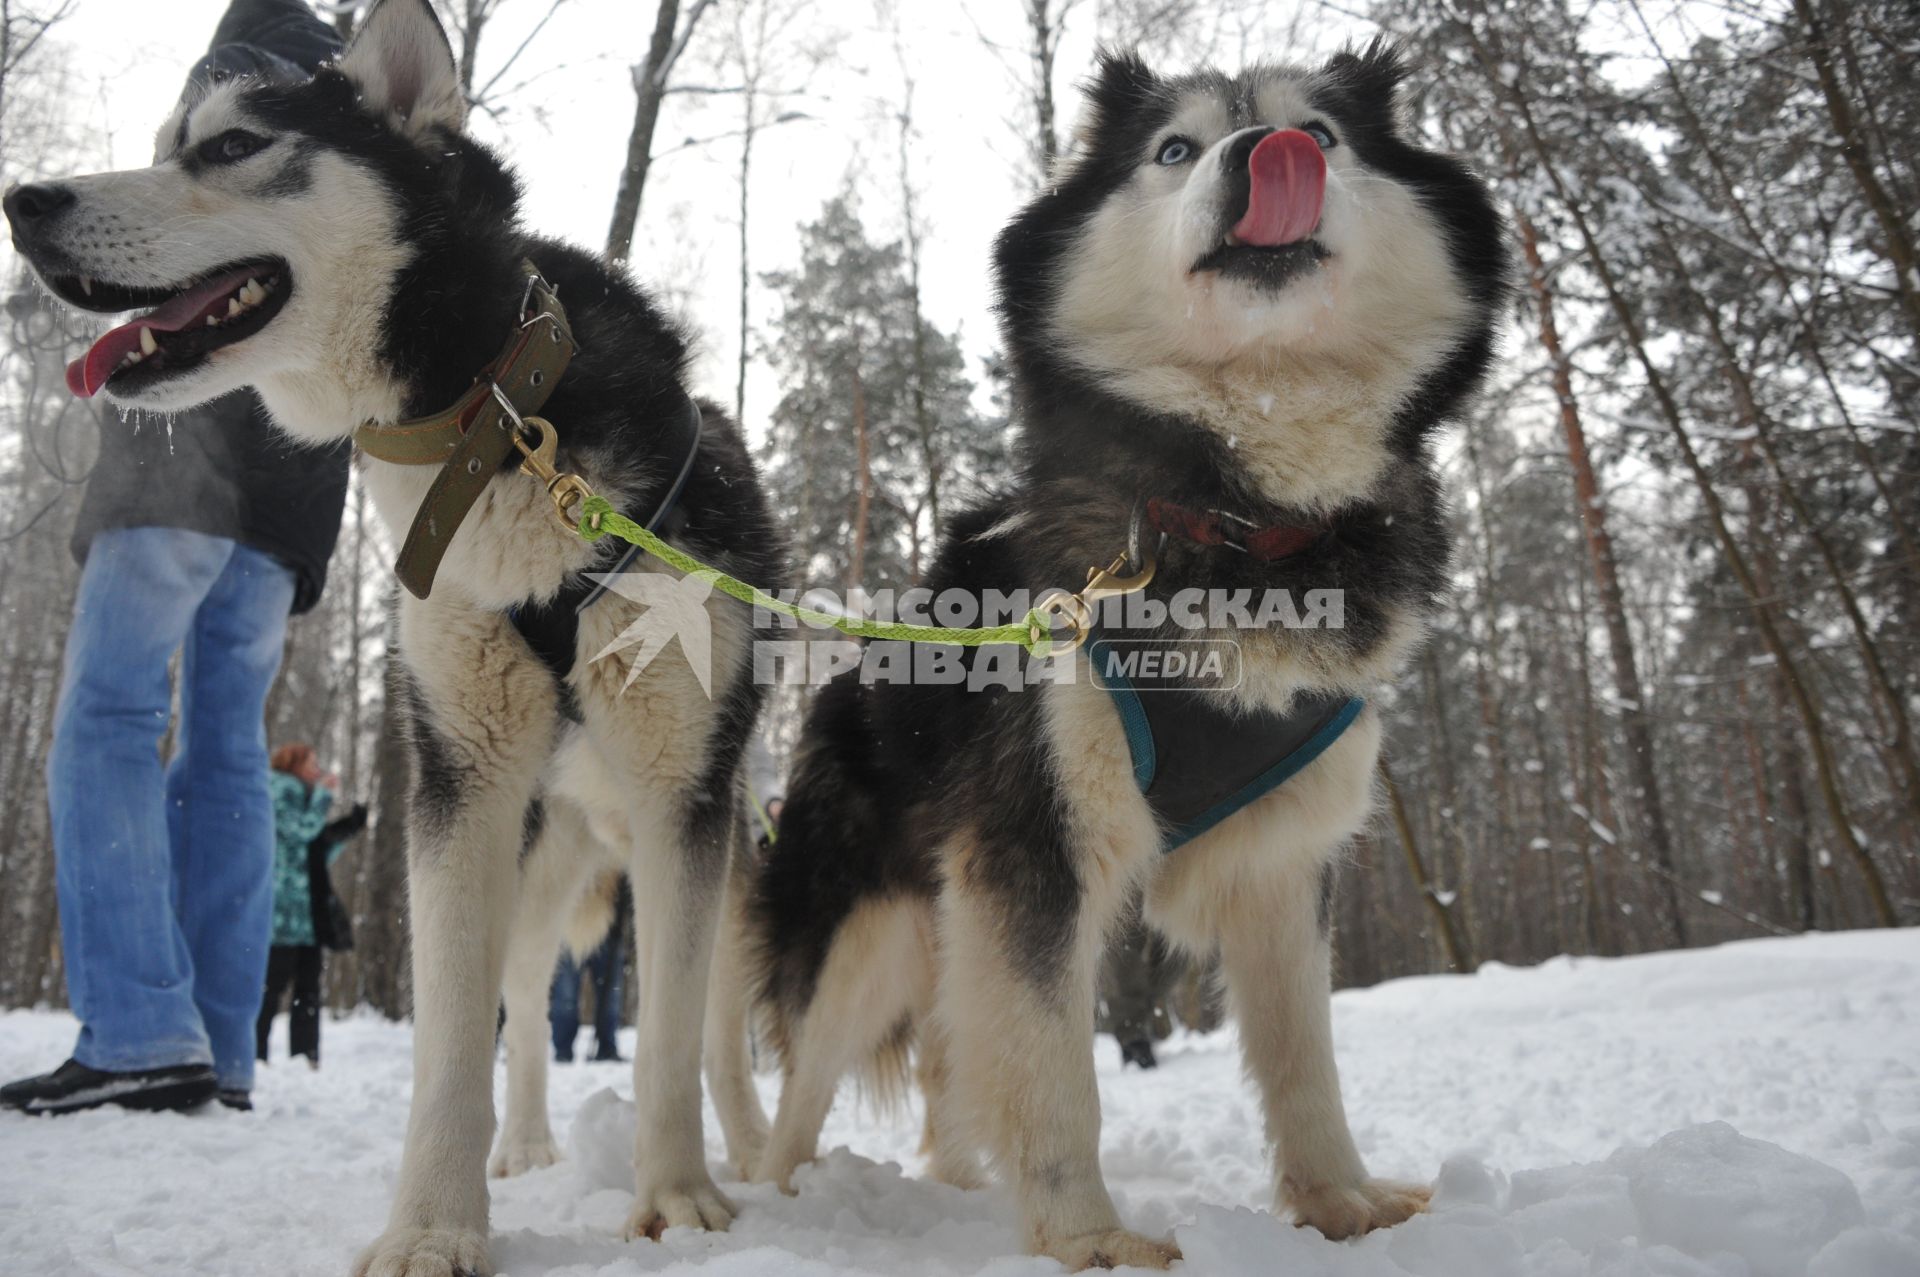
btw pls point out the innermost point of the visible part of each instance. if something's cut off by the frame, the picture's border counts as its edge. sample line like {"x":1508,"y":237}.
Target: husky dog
{"x":341,"y":245}
{"x":1253,"y":296}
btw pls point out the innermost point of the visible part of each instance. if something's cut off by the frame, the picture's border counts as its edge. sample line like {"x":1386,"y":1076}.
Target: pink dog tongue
{"x":88,"y":373}
{"x":1287,"y":179}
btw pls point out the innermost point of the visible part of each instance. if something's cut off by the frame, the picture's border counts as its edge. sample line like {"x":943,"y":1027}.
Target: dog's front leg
{"x":1021,"y":929}
{"x":460,"y":880}
{"x":678,"y":874}
{"x":1278,"y":964}
{"x":482,"y":725}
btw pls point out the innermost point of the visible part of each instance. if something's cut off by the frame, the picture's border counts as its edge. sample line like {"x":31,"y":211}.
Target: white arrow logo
{"x":675,"y":609}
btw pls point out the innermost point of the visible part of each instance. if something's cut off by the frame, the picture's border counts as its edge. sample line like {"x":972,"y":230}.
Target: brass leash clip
{"x":1076,"y":613}
{"x":568,"y":491}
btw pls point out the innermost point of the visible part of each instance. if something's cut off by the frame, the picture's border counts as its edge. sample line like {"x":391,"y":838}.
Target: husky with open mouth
{"x":340,"y":244}
{"x":1237,"y":317}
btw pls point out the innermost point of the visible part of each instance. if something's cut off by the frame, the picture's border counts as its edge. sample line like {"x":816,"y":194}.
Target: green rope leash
{"x":598,"y":518}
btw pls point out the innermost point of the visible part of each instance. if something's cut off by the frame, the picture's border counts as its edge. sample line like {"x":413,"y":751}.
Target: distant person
{"x":305,"y":910}
{"x":1136,"y":977}
{"x":198,"y":536}
{"x":606,"y":966}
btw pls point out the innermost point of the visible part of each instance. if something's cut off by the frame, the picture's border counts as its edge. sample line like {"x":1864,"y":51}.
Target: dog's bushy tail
{"x":593,"y":915}
{"x":727,"y":1051}
{"x":833,"y":851}
{"x":885,"y":1079}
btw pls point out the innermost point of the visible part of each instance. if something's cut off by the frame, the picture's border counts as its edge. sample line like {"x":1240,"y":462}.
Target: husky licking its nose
{"x":1244,"y":305}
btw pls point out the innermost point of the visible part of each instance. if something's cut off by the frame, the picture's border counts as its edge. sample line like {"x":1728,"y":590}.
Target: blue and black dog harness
{"x":1196,"y":760}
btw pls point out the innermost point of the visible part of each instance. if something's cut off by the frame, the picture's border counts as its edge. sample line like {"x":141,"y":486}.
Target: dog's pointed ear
{"x":1121,"y":83}
{"x":403,"y":66}
{"x":1373,"y":73}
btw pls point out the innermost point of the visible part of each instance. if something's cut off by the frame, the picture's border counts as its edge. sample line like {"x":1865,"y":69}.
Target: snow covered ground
{"x":1747,"y":1111}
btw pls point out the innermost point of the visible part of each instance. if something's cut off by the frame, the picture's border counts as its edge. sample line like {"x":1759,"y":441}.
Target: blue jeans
{"x":166,"y":881}
{"x":607,"y":969}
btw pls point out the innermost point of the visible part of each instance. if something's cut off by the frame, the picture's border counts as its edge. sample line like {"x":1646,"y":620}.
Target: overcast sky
{"x":566,"y":130}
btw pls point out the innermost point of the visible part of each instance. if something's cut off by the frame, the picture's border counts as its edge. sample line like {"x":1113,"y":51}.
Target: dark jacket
{"x":221,"y":469}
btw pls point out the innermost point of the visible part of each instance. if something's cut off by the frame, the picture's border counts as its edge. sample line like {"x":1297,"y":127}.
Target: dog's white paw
{"x":745,"y":1155}
{"x":777,"y":1170}
{"x":1340,"y":1211}
{"x":960,"y":1171}
{"x":1113,"y":1248}
{"x":695,"y":1205}
{"x":517,"y":1157}
{"x":425,"y":1252}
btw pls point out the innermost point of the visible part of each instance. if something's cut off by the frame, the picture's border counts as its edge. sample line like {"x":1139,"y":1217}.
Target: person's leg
{"x":305,"y":1016}
{"x":130,"y":974}
{"x":563,"y":1007}
{"x":221,"y":814}
{"x":279,"y":975}
{"x":1127,"y":987}
{"x":609,"y":987}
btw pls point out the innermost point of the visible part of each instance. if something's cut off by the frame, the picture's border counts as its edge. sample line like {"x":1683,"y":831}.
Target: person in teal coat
{"x":305,"y":846}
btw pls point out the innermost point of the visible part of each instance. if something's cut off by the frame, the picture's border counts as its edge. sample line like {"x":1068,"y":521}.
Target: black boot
{"x":73,"y":1087}
{"x":1139,"y":1051}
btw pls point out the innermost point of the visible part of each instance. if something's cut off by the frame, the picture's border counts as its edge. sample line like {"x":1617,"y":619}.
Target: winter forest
{"x":1671,"y":703}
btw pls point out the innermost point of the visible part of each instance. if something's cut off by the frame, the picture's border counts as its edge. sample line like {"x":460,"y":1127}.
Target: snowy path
{"x":1810,"y":1044}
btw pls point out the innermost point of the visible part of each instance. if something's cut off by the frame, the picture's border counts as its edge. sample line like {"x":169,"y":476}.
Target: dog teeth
{"x":147,"y":344}
{"x":234,"y":307}
{"x":252,"y":294}
{"x":133,"y":357}
{"x":1233,"y":241}
{"x":213,"y":321}
{"x":86,"y":285}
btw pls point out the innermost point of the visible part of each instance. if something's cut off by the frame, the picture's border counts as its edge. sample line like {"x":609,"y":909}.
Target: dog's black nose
{"x":28,"y":206}
{"x":1240,"y":148}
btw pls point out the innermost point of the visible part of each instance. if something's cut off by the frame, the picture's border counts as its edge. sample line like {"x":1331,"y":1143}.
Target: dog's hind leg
{"x":1022,"y":928}
{"x":728,"y":1064}
{"x":679,"y":873}
{"x":951,"y":1155}
{"x":867,"y":989}
{"x":482,"y":723}
{"x":560,"y":860}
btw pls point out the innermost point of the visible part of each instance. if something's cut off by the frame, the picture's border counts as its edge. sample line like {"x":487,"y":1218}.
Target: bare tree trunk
{"x":1458,"y":959}
{"x":473,"y":24}
{"x":380,"y":933}
{"x":1043,"y":25}
{"x":1453,"y":846}
{"x":930,"y":462}
{"x":863,"y":491}
{"x":1635,"y":723}
{"x":746,"y":275}
{"x":649,"y":89}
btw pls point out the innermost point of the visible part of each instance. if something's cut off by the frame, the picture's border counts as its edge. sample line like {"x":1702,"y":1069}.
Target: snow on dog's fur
{"x":343,"y":247}
{"x":955,"y":859}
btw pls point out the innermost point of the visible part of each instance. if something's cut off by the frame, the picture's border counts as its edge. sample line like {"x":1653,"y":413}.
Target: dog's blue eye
{"x":1322,"y":135}
{"x":1176,"y":150}
{"x":232,"y":146}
